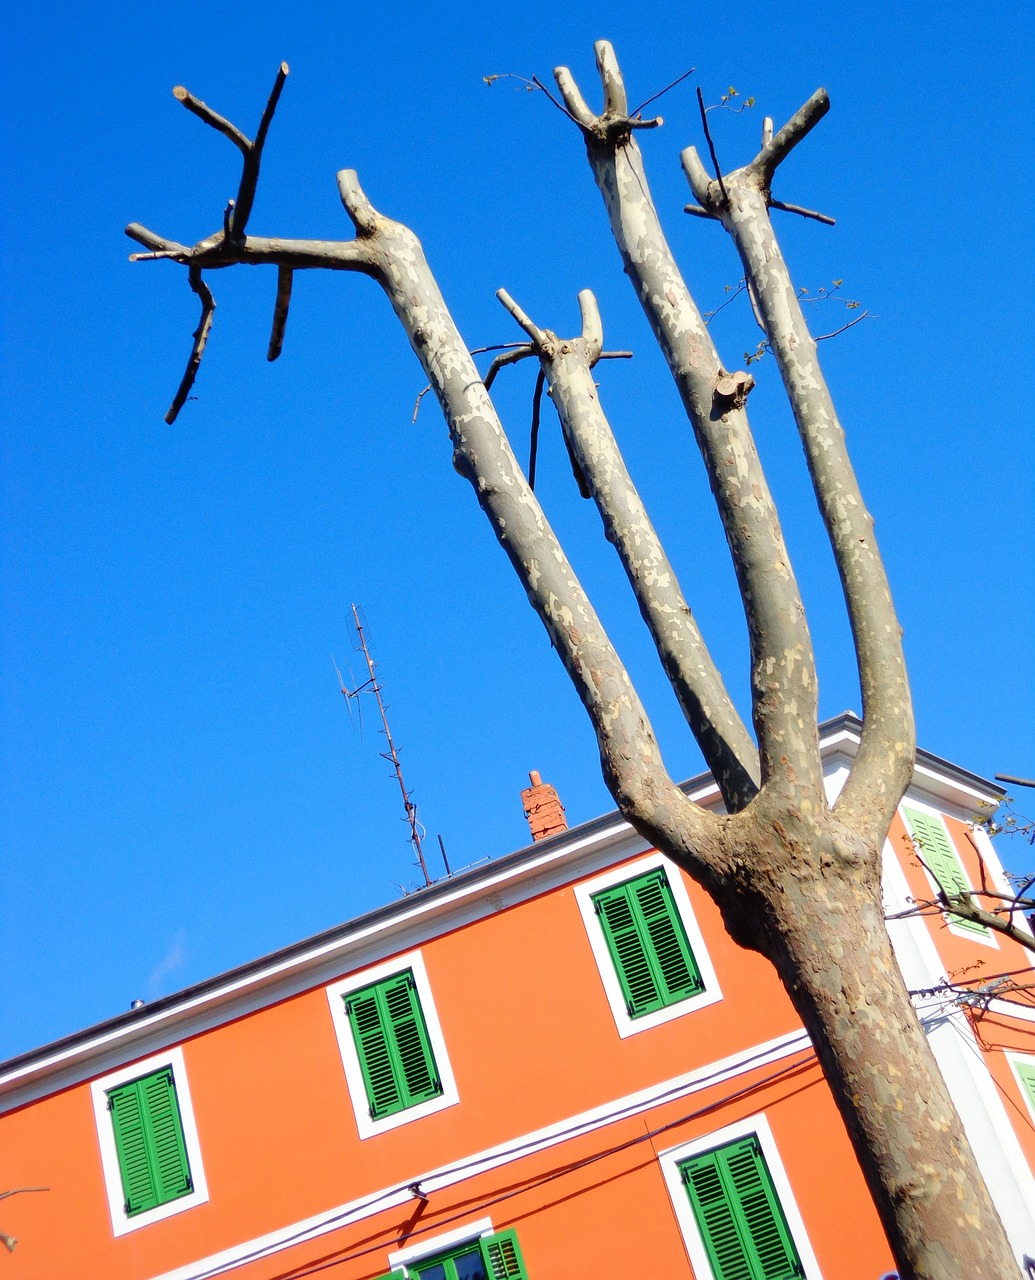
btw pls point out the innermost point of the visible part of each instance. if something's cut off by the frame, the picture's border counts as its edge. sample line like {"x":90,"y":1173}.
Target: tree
{"x":796,"y":878}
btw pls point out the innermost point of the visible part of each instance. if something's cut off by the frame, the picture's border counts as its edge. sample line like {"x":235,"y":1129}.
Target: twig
{"x":213,"y":118}
{"x":533,"y":447}
{"x":208,"y":306}
{"x":253,"y":158}
{"x":160,"y":246}
{"x":805,"y":213}
{"x":534,"y":83}
{"x":734,"y":293}
{"x":823,"y":336}
{"x":416,"y":403}
{"x":520,"y":352}
{"x":516,"y":351}
{"x":711,"y":145}
{"x":285,"y":277}
{"x":661,"y":92}
{"x":756,"y":309}
{"x":271,"y":106}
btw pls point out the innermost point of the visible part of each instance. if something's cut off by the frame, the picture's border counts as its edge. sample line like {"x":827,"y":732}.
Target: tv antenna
{"x":371,"y":685}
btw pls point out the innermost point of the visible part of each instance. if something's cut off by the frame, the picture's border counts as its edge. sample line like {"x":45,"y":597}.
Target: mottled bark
{"x":725,"y":743}
{"x":795,"y":880}
{"x":884,"y":765}
{"x":783,"y":676}
{"x":825,"y":926}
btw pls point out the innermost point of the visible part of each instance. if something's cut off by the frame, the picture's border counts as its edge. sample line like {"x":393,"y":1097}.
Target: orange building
{"x":554,"y":1064}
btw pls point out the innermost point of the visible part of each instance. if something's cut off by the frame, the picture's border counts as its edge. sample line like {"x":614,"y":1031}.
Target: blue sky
{"x":182,"y":789}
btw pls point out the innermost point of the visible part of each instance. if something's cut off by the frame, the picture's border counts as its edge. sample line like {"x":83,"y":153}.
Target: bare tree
{"x":796,"y":878}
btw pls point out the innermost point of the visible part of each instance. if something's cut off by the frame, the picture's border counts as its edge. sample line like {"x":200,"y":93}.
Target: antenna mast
{"x":391,"y":755}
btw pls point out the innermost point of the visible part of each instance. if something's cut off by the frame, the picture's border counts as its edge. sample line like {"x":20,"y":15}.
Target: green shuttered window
{"x":1026,"y":1075}
{"x":495,"y":1257}
{"x":648,"y":943}
{"x":942,"y":860}
{"x":739,"y":1215}
{"x":149,"y":1141}
{"x":392,"y":1043}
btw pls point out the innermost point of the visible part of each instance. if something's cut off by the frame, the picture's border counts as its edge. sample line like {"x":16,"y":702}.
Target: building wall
{"x":532,"y":1042}
{"x":568,"y":1125}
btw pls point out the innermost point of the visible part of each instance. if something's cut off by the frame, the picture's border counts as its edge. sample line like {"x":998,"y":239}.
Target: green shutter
{"x":943,"y":861}
{"x":739,"y":1215}
{"x":1026,"y":1075}
{"x":393,"y":1045}
{"x":502,"y":1256}
{"x":648,"y":943}
{"x":149,"y":1141}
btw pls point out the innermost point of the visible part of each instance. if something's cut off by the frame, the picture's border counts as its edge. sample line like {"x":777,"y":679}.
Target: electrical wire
{"x":297,"y":1273}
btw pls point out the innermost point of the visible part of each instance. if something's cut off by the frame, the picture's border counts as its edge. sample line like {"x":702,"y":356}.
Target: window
{"x":648,"y":943}
{"x":943,"y":863}
{"x":1025,"y":1071}
{"x":736,"y":1208}
{"x":648,"y":948}
{"x":739,"y":1214}
{"x":491,"y":1257}
{"x":150,"y":1154}
{"x":391,"y":1045}
{"x":149,"y":1140}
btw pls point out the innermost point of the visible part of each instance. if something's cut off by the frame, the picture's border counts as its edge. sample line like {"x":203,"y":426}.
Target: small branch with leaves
{"x":986,"y":906}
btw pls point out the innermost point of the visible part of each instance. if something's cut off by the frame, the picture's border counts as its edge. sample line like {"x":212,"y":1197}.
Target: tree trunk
{"x":823,"y":928}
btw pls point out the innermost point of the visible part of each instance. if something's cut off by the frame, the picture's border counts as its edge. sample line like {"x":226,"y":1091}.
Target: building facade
{"x":555,"y":1064}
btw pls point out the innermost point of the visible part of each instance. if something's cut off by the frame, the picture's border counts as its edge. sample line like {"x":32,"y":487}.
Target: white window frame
{"x":121,"y":1222}
{"x":987,"y":939}
{"x":584,"y":894}
{"x":1029,"y":1061}
{"x":337,"y":994}
{"x":757,"y":1125}
{"x":449,"y":1240}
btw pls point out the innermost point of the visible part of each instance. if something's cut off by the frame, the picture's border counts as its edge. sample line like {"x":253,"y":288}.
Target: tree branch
{"x":155,"y":242}
{"x":285,"y":276}
{"x":707,"y":707}
{"x":208,"y":306}
{"x":782,"y":664}
{"x":711,"y":145}
{"x":776,"y":150}
{"x":250,"y":151}
{"x":205,"y":113}
{"x":804,"y":213}
{"x":508,"y":357}
{"x":252,"y":160}
{"x":884,"y":764}
{"x":964,"y":906}
{"x":629,"y":754}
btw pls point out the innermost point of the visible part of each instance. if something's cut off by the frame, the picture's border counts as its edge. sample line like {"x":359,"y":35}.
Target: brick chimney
{"x":543,"y":808}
